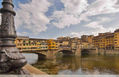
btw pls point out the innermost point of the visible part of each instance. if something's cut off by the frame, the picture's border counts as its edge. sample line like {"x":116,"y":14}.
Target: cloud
{"x":62,"y":19}
{"x":78,"y":34}
{"x":22,"y":33}
{"x":95,"y":25}
{"x":76,"y":11}
{"x":31,"y":16}
{"x":104,"y":19}
{"x":75,"y":34}
{"x":101,"y":7}
{"x":70,"y":14}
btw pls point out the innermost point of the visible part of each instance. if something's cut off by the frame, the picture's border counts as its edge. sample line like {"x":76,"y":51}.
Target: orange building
{"x":90,"y":39}
{"x":104,"y":41}
{"x":31,"y":44}
{"x":116,"y":39}
{"x":52,"y":44}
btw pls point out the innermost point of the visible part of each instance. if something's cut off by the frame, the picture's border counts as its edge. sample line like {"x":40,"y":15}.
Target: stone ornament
{"x":11,"y":60}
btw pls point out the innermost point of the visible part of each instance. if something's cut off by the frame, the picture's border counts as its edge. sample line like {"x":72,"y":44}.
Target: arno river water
{"x":74,"y":65}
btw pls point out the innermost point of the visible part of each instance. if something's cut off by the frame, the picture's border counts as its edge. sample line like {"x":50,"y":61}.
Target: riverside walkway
{"x":33,"y":70}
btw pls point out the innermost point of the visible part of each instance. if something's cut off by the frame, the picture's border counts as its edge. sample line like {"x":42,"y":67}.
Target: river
{"x":74,"y":65}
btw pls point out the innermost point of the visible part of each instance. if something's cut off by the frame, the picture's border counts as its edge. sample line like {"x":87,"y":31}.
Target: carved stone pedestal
{"x":11,"y":61}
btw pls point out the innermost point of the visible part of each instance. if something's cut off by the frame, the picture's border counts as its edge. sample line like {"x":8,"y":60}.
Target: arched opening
{"x":66,"y":52}
{"x":41,"y":56}
{"x":84,"y":52}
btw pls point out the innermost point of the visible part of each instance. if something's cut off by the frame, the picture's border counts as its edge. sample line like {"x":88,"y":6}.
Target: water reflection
{"x":80,"y":66}
{"x":31,"y":58}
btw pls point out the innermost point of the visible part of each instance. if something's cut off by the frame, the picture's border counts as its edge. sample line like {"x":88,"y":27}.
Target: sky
{"x":55,"y":18}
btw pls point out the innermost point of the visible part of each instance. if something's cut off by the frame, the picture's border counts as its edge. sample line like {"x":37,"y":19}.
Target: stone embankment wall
{"x":108,"y":52}
{"x":33,"y":70}
{"x":102,"y":52}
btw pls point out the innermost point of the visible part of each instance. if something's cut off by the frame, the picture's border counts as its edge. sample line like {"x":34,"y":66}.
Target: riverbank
{"x":108,"y":52}
{"x":33,"y":70}
{"x":101,"y":52}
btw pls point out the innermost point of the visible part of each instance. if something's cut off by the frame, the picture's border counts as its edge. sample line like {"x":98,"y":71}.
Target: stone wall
{"x":108,"y":52}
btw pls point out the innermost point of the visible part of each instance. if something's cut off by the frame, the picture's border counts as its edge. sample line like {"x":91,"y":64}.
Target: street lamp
{"x":11,"y":60}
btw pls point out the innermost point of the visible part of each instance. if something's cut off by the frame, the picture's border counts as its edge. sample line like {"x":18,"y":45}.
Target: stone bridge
{"x":51,"y":54}
{"x":43,"y":54}
{"x":89,"y":50}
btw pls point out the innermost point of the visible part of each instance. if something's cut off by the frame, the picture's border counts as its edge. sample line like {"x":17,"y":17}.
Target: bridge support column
{"x":51,"y":54}
{"x":78,"y":52}
{"x":97,"y":51}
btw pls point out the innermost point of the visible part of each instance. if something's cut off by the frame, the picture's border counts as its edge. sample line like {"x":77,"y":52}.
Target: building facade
{"x":31,"y":44}
{"x":90,"y":39}
{"x":84,"y":38}
{"x":106,"y":40}
{"x":75,"y":42}
{"x":116,"y":39}
{"x":69,"y":43}
{"x":52,"y":44}
{"x":64,"y":42}
{"x":87,"y":38}
{"x":34,"y":44}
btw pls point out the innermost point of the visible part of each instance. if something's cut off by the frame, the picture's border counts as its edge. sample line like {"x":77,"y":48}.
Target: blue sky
{"x":54,"y":18}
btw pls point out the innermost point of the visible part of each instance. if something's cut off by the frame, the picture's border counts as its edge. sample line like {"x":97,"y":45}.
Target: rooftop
{"x":117,"y":30}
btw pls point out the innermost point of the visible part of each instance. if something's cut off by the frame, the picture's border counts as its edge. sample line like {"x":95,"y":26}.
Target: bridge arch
{"x":41,"y":56}
{"x":84,"y":52}
{"x":66,"y":52}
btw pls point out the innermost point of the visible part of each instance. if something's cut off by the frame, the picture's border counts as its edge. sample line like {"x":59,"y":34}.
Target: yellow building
{"x":22,"y":43}
{"x":104,"y":41}
{"x":75,"y":42}
{"x":43,"y":45}
{"x":96,"y":41}
{"x":31,"y":44}
{"x":101,"y":42}
{"x":67,"y":42}
{"x":40,"y":44}
{"x":87,"y":38}
{"x":109,"y":41}
{"x":84,"y":38}
{"x":116,"y":39}
{"x":85,"y":45}
{"x":90,"y":39}
{"x":52,"y":44}
{"x":64,"y":41}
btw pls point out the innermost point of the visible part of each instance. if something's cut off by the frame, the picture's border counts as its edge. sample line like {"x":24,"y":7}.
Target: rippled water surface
{"x":73,"y":65}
